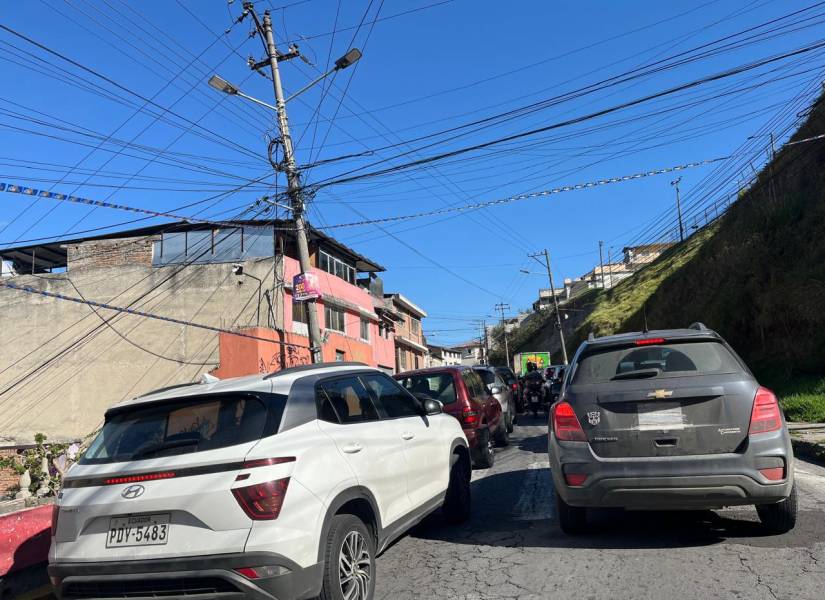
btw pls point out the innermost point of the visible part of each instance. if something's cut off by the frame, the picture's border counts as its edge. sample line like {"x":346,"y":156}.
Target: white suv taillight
{"x":55,"y":514}
{"x":262,"y":501}
{"x":566,"y":425}
{"x":765,"y":416}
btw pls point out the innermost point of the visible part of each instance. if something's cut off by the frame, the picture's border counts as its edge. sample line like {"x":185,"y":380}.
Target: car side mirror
{"x":428,"y":404}
{"x":432,"y":407}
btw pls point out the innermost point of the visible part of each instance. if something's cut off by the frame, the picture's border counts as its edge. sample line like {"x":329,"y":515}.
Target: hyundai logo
{"x":133,"y":491}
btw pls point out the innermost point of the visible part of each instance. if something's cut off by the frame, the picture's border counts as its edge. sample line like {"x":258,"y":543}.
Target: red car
{"x":464,"y":396}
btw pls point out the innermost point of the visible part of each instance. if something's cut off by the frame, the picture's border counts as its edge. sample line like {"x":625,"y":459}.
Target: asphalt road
{"x":512,"y":546}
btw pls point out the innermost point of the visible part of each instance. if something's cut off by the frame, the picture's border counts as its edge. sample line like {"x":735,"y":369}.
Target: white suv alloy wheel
{"x":354,"y":567}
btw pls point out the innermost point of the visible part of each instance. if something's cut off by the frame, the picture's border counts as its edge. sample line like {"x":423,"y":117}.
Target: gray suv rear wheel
{"x":779,"y":517}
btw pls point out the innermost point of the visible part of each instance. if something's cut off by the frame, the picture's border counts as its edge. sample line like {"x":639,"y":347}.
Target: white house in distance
{"x":472,"y":353}
{"x":441,"y":356}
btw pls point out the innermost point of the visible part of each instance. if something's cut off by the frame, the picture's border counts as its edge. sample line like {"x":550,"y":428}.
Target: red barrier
{"x":24,"y":538}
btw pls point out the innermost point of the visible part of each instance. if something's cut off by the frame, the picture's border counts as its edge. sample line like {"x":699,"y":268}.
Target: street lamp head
{"x":348,"y":59}
{"x":222,"y":85}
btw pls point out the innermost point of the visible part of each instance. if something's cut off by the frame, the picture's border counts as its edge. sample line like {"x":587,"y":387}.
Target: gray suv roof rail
{"x":698,"y":326}
{"x":301,"y":368}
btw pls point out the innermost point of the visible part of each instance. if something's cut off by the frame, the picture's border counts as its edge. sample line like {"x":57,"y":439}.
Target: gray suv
{"x":501,"y":391}
{"x":669,"y":419}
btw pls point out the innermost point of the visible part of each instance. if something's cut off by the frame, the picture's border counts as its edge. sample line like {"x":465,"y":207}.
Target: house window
{"x":340,"y":356}
{"x":299,"y":313}
{"x":365,"y":330}
{"x":416,"y":362}
{"x":336,"y":266}
{"x":334,"y":318}
{"x":402,"y":360}
{"x":415,"y":325}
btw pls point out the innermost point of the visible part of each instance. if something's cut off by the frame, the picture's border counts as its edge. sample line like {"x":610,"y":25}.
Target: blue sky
{"x":423,"y":71}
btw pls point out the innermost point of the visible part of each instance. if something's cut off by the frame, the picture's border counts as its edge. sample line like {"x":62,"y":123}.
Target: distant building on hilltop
{"x":637,"y":256}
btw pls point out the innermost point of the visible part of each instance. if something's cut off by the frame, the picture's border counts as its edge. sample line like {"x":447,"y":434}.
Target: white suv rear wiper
{"x":164,"y":446}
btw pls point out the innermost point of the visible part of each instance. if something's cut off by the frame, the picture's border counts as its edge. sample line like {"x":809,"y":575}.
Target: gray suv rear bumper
{"x":674,"y":482}
{"x":107,"y":579}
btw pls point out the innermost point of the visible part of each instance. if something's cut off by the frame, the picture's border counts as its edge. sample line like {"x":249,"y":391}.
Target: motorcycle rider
{"x":534,"y":382}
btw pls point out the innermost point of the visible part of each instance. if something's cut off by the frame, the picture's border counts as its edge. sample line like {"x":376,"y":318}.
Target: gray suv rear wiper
{"x":638,"y":374}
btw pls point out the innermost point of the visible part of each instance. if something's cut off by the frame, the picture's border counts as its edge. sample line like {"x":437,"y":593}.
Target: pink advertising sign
{"x":305,"y":286}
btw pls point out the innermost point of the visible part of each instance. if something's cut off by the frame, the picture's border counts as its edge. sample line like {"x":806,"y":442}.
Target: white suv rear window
{"x":178,"y":427}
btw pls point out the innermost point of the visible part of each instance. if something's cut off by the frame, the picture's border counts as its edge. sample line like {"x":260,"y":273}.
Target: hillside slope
{"x":757,"y":275}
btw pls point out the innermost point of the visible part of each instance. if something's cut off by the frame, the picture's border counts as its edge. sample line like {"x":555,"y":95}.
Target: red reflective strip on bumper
{"x":139,"y":478}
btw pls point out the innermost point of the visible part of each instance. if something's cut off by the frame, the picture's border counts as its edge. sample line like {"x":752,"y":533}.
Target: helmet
{"x":531,"y":366}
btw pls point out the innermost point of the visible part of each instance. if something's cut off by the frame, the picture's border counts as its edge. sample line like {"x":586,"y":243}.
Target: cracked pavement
{"x":512,"y":548}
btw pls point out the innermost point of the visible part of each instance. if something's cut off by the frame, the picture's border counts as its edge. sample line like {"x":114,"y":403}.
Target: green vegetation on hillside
{"x":518,"y":339}
{"x":624,"y":306}
{"x":802,"y":397}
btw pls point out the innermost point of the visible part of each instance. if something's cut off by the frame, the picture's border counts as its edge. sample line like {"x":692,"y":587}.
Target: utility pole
{"x":610,"y":266}
{"x":555,"y":298}
{"x":675,"y":183}
{"x":292,"y":174}
{"x":486,"y":343}
{"x":601,"y":262}
{"x":502,"y":307}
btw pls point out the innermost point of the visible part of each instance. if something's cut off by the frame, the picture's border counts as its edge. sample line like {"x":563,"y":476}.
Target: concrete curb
{"x":812,"y":451}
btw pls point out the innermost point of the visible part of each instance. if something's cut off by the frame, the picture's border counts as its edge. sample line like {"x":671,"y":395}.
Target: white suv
{"x":278,"y":486}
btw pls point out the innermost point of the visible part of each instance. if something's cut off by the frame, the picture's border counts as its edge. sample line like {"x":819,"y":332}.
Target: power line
{"x":343,"y":178}
{"x":65,"y":58}
{"x":140,"y":313}
{"x":27,"y":191}
{"x":543,"y":193}
{"x":301,"y":38}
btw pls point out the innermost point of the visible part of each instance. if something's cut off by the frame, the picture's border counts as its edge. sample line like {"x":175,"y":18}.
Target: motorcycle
{"x":534,"y":396}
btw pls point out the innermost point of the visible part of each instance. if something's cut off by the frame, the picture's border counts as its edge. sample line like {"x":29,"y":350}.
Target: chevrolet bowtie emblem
{"x":659,"y":394}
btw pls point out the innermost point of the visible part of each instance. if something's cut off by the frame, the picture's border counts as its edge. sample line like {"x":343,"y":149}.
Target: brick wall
{"x":8,"y":478}
{"x":110,"y":253}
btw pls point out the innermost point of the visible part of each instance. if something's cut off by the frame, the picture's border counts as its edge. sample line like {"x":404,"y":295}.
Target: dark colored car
{"x":464,"y":396}
{"x":669,"y":419}
{"x":506,"y":373}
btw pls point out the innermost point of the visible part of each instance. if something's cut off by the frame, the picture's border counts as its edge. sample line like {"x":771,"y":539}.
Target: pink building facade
{"x":347,"y":313}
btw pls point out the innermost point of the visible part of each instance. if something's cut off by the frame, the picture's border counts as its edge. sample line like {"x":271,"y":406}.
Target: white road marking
{"x":535,"y":497}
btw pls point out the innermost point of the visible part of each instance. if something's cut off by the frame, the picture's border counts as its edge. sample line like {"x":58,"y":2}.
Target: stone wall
{"x":110,"y":253}
{"x":8,"y":478}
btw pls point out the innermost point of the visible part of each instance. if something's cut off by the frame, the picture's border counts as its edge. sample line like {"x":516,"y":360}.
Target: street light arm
{"x":256,"y":101}
{"x":312,"y":83}
{"x":342,"y":63}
